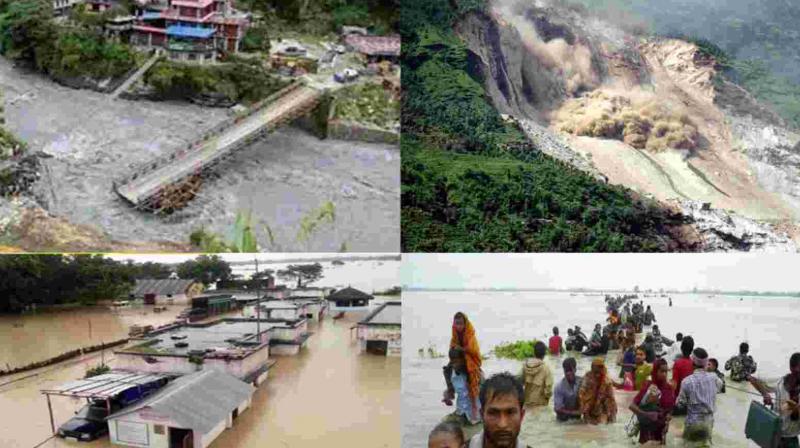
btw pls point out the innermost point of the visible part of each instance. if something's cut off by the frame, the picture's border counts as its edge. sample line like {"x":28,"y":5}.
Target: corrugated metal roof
{"x":190,"y":31}
{"x":198,"y":401}
{"x":349,"y":294}
{"x":105,"y":386}
{"x":161,"y":287}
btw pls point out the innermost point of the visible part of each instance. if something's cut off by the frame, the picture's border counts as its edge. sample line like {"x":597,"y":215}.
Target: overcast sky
{"x":756,"y":272}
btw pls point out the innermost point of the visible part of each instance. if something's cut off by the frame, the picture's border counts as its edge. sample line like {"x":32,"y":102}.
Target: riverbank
{"x":93,"y":140}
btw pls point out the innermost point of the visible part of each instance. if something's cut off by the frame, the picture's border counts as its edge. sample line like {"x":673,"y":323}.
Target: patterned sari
{"x":597,"y":396}
{"x":467,"y":341}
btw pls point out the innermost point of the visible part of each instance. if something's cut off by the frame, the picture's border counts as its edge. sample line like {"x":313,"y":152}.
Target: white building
{"x":189,"y":412}
{"x":61,"y":6}
{"x":380,"y":332}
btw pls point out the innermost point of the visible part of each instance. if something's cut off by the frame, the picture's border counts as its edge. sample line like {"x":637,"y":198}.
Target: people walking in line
{"x":503,"y":412}
{"x":713,"y":366}
{"x":699,"y":394}
{"x":654,"y":409}
{"x":565,"y":396}
{"x":596,"y":396}
{"x":741,"y":365}
{"x":555,"y":343}
{"x":537,"y":378}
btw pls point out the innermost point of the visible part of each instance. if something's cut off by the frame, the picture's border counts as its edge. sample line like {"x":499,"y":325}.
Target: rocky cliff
{"x":649,"y":113}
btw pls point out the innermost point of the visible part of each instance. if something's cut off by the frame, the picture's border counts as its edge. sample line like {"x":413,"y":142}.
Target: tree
{"x":26,"y":27}
{"x":303,"y":273}
{"x":206,"y":269}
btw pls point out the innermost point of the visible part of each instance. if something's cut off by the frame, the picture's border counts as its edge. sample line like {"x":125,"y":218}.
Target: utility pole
{"x":258,"y":303}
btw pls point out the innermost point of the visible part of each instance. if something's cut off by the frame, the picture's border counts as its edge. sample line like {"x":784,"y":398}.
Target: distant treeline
{"x":85,"y":279}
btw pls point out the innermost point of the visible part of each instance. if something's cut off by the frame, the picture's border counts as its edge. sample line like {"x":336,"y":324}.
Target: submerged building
{"x":190,"y":412}
{"x":380,"y":332}
{"x":348,"y":299}
{"x":191,"y":30}
{"x":239,"y":347}
{"x":166,"y":291}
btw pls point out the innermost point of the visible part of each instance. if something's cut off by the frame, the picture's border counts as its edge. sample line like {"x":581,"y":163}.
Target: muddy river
{"x":717,"y":324}
{"x":281,"y":178}
{"x":328,"y":391}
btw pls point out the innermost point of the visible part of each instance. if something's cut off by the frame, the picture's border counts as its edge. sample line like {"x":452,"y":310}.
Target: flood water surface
{"x":281,"y":179}
{"x":42,"y":335}
{"x":329,"y":392}
{"x":718,"y":324}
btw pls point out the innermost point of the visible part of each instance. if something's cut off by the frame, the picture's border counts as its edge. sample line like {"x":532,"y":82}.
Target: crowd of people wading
{"x":671,"y":379}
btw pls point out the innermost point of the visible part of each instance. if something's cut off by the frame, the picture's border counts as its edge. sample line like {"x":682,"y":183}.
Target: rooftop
{"x":106,"y":385}
{"x":228,"y":336}
{"x":190,"y":31}
{"x":374,"y":45}
{"x":198,"y":401}
{"x":390,"y":313}
{"x":349,"y":294}
{"x":161,"y":287}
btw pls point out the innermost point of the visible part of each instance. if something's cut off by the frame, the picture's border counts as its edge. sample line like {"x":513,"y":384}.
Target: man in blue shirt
{"x":458,"y":389}
{"x":565,"y":394}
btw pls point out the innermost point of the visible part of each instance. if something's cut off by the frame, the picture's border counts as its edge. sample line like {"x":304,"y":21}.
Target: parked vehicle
{"x":293,"y":50}
{"x":346,"y":75}
{"x":88,"y":424}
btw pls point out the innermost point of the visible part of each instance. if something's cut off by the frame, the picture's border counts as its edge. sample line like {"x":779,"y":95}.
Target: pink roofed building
{"x":190,"y":30}
{"x":375,"y":48}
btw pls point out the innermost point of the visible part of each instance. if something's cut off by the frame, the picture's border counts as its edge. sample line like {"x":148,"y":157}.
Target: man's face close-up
{"x":502,"y":419}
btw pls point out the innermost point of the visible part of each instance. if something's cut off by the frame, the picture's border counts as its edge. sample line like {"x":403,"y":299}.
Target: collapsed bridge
{"x":169,"y":182}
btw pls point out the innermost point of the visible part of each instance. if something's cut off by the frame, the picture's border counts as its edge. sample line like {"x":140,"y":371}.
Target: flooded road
{"x":329,"y":390}
{"x":34,"y":337}
{"x":717,"y":324}
{"x":281,"y":178}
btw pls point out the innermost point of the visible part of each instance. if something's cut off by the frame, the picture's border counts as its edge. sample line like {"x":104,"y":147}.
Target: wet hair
{"x":450,"y":428}
{"x":555,"y":330}
{"x":461,"y":315}
{"x":744,"y":347}
{"x":539,"y":349}
{"x":501,"y":384}
{"x":570,"y":332}
{"x":794,"y":360}
{"x":570,"y":364}
{"x":687,"y":345}
{"x":648,"y":338}
{"x":700,"y":353}
{"x":456,"y":353}
{"x":679,"y":336}
{"x":715,"y":362}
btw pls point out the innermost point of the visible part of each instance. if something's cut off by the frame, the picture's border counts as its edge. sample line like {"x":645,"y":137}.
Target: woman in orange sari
{"x":463,"y":336}
{"x":596,"y":396}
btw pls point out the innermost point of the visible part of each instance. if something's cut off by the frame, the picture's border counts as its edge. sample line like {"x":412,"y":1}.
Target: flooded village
{"x":277,"y":357}
{"x":209,"y":110}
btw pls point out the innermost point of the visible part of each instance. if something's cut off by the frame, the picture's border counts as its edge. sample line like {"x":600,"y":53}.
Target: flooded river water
{"x":329,"y":390}
{"x":717,"y":324}
{"x":281,"y":178}
{"x":32,"y":337}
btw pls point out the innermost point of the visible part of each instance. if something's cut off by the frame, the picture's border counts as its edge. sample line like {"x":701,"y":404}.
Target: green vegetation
{"x":322,"y":17}
{"x":78,"y":48}
{"x":97,"y":370}
{"x":393,"y":291}
{"x":85,"y":279}
{"x":368,"y":103}
{"x":242,"y":80}
{"x":309,"y":224}
{"x":303,"y":273}
{"x":515,"y":350}
{"x":471,"y":182}
{"x":256,"y":39}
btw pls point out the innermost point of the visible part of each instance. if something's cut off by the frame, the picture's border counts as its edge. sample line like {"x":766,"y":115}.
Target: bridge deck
{"x":208,"y":151}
